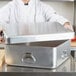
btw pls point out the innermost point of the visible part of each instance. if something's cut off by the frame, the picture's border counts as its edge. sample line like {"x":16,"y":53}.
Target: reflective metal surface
{"x":68,"y":66}
{"x":48,"y":31}
{"x":39,"y":55}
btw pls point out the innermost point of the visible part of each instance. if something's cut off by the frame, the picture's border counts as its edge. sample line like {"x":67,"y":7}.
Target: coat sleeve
{"x":50,"y":15}
{"x":4,"y":16}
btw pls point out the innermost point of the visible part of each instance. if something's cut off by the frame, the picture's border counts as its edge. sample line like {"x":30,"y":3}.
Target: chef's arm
{"x":4,"y":19}
{"x":51,"y":15}
{"x":4,"y":16}
{"x":63,"y":21}
{"x":60,"y":19}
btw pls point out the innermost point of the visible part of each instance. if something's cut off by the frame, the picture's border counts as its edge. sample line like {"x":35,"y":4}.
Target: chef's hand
{"x":1,"y":37}
{"x":67,"y":25}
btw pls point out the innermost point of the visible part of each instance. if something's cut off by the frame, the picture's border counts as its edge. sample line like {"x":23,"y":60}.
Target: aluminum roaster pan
{"x":48,"y":31}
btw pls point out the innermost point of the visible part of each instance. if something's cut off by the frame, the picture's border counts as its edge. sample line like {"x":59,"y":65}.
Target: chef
{"x":29,"y":11}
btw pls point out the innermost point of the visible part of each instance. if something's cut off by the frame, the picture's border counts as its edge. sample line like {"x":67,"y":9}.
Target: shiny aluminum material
{"x":67,"y":66}
{"x":42,"y":45}
{"x":38,"y":54}
{"x":49,"y":31}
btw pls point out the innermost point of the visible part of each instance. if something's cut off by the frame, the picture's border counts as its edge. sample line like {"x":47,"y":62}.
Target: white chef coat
{"x":15,"y":13}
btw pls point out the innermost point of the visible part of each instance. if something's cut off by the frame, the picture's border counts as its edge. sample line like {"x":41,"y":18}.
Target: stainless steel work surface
{"x":48,"y":31}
